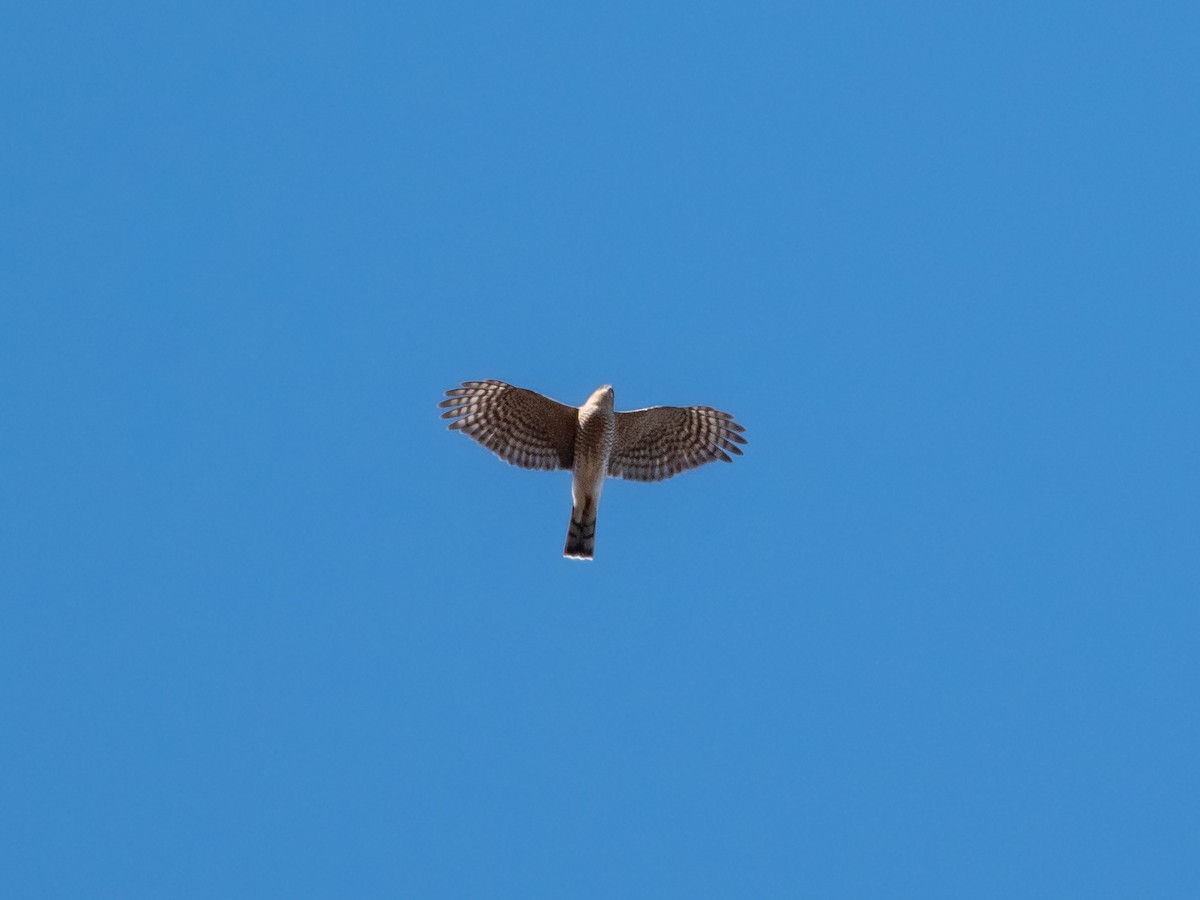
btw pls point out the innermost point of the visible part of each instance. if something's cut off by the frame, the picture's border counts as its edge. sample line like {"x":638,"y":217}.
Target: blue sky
{"x":270,"y":630}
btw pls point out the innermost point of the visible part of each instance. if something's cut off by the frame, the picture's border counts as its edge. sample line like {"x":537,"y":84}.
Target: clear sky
{"x":269,"y":630}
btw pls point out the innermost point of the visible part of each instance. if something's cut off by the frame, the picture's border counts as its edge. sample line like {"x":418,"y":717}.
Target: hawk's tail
{"x":581,"y":533}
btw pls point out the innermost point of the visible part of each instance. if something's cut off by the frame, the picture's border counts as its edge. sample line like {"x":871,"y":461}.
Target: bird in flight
{"x":594,"y":441}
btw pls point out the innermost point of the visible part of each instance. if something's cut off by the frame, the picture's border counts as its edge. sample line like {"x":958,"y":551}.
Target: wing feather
{"x":522,"y":427}
{"x":661,"y":441}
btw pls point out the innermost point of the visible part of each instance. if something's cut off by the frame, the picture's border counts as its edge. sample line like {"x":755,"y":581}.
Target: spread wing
{"x":521,"y":427}
{"x":656,"y":443}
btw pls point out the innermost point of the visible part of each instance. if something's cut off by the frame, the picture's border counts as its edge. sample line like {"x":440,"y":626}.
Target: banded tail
{"x":581,"y":533}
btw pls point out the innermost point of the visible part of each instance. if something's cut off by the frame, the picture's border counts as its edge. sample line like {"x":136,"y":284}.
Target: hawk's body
{"x":594,"y":437}
{"x":594,"y":441}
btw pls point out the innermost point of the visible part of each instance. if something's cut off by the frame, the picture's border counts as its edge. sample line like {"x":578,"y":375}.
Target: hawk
{"x":529,"y":430}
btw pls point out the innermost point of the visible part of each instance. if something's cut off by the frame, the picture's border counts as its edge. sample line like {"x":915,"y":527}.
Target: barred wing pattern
{"x":661,"y":441}
{"x":521,"y":427}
